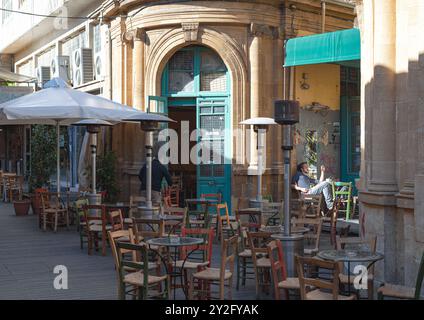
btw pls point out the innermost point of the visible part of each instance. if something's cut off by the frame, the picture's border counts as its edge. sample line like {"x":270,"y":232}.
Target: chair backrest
{"x":278,"y":265}
{"x":113,"y":236}
{"x":142,"y":264}
{"x":135,"y":202}
{"x":420,"y":278}
{"x":222,"y":210}
{"x":212,"y":196}
{"x":204,"y":249}
{"x":258,"y":243}
{"x":341,"y":188}
{"x":315,"y":226}
{"x":100,"y":216}
{"x":148,"y":228}
{"x":316,"y":281}
{"x":250,"y":219}
{"x":116,"y":220}
{"x":228,"y":255}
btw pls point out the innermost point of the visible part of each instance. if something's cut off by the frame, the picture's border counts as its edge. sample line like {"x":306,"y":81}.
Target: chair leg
{"x":55,"y":221}
{"x":44,"y":222}
{"x":370,"y":289}
{"x":238,"y":273}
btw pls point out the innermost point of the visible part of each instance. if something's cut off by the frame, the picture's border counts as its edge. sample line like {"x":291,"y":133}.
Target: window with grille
{"x":97,"y":44}
{"x":181,"y":72}
{"x":213,"y":73}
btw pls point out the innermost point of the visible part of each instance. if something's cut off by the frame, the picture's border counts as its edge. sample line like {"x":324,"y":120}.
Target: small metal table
{"x":350,"y":256}
{"x":175,"y":242}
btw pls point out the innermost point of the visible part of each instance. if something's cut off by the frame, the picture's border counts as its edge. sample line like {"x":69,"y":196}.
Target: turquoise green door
{"x":350,"y":139}
{"x":214,"y":175}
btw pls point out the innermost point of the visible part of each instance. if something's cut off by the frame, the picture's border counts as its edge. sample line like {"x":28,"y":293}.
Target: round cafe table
{"x":276,"y":230}
{"x":350,"y":256}
{"x":175,"y":243}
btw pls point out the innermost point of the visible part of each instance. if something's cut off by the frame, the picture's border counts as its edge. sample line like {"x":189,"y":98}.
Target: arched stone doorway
{"x":231,"y":99}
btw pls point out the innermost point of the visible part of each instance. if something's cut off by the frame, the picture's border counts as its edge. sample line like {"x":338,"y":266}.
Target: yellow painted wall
{"x":324,"y":85}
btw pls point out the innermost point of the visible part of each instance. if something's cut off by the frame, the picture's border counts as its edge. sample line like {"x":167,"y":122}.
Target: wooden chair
{"x":113,"y":236}
{"x":13,"y":187}
{"x":81,"y":223}
{"x":223,"y":276}
{"x":245,"y":267}
{"x":343,"y":191}
{"x":38,"y":206}
{"x":135,"y":202}
{"x":320,"y":286}
{"x":357,"y":242}
{"x":148,"y":228}
{"x":224,"y":223}
{"x":403,"y":292}
{"x":279,"y":272}
{"x":314,"y":235}
{"x":249,"y":219}
{"x":54,"y":213}
{"x":262,"y":265}
{"x":174,"y":195}
{"x":200,"y":255}
{"x":141,"y":279}
{"x":96,"y":227}
{"x":116,"y":220}
{"x":198,"y":218}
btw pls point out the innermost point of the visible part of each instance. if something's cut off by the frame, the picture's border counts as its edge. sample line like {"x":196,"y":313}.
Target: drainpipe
{"x":323,"y":14}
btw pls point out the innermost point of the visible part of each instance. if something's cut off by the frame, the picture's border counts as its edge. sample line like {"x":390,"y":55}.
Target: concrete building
{"x":392,"y":181}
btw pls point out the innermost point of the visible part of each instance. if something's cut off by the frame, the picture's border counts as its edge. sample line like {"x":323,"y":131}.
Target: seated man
{"x":309,"y":186}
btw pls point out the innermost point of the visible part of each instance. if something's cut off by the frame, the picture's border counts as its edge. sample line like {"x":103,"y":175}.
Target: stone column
{"x":138,"y":59}
{"x":255,"y":99}
{"x":381,"y":135}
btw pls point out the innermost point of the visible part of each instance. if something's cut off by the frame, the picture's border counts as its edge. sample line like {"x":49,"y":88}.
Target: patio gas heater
{"x":260,"y":126}
{"x":93,"y":127}
{"x":149,"y":122}
{"x":286,"y":113}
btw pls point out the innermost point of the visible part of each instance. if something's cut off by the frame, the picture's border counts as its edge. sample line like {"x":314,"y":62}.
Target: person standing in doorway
{"x":159,"y":172}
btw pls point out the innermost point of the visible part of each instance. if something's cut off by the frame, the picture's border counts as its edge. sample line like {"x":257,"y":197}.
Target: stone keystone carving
{"x":191,"y":31}
{"x":134,"y":35}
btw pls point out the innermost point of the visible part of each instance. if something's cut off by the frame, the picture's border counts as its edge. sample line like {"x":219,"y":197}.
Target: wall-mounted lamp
{"x":303,"y":84}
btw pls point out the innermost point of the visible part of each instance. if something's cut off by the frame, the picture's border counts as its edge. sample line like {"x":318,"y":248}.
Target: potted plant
{"x":43,"y":159}
{"x":21,"y":207}
{"x":106,"y":177}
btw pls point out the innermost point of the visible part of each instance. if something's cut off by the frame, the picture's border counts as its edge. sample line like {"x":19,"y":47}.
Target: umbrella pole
{"x":58,"y":157}
{"x":149,"y":143}
{"x":260,"y":163}
{"x":93,"y":159}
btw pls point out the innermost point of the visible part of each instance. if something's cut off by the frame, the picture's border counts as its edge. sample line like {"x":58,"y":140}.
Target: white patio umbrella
{"x":58,"y":104}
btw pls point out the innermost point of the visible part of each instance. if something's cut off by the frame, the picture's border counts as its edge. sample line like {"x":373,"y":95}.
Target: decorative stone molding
{"x":138,"y":34}
{"x":191,"y":31}
{"x":263,"y":30}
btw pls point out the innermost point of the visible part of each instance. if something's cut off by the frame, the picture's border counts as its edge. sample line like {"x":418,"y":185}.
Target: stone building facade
{"x":392,"y":172}
{"x":249,"y":38}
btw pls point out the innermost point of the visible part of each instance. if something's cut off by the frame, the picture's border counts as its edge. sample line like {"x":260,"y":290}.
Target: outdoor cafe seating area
{"x":202,"y":248}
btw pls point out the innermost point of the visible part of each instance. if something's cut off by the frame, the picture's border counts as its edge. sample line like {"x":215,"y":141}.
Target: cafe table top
{"x":175,"y":241}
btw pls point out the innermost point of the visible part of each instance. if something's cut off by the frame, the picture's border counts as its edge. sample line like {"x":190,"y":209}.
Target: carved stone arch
{"x":230,"y":52}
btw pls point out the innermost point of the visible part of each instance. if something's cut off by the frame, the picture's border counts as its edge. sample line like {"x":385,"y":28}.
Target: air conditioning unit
{"x":82,"y":66}
{"x":42,"y":74}
{"x":59,"y":67}
{"x":100,"y":62}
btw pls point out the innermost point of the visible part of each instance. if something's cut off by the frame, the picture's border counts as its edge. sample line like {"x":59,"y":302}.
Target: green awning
{"x":331,"y":47}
